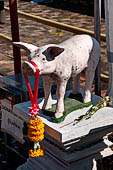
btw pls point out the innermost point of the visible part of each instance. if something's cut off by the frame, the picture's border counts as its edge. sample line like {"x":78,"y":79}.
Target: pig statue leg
{"x":76,"y":84}
{"x":88,"y":86}
{"x":61,"y":88}
{"x":47,"y":83}
{"x":90,"y":71}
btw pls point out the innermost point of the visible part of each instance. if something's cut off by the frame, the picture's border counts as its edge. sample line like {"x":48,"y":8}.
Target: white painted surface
{"x":100,"y":120}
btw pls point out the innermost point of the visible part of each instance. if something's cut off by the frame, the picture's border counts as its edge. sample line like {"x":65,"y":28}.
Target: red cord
{"x":34,"y":110}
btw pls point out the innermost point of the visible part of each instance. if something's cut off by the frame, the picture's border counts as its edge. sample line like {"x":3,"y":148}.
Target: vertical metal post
{"x":15,"y":35}
{"x":109,"y":40}
{"x":97,"y":21}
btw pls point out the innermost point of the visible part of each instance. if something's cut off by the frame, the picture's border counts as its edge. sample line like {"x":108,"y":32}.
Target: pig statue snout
{"x":28,"y":68}
{"x":57,"y":63}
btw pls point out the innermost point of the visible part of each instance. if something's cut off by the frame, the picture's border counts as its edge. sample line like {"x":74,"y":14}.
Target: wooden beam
{"x":15,"y":35}
{"x":7,"y":38}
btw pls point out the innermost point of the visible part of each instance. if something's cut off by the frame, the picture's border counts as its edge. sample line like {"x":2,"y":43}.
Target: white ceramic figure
{"x":57,"y":63}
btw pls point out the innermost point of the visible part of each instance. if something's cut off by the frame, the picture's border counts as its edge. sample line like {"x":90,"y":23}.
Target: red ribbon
{"x":34,"y":109}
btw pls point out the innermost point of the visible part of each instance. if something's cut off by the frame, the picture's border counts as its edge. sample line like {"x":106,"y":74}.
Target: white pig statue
{"x":59,"y":62}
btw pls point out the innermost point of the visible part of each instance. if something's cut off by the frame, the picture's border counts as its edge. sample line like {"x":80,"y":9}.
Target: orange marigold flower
{"x":35,"y":133}
{"x":36,"y":138}
{"x":36,"y":123}
{"x":37,"y":153}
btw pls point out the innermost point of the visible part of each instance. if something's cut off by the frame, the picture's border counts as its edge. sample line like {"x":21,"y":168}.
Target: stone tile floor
{"x":76,"y":14}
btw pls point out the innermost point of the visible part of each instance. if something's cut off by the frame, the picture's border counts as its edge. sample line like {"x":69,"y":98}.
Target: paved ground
{"x":32,"y":32}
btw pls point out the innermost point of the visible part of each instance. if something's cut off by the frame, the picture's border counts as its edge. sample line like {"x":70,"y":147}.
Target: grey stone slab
{"x":47,"y":162}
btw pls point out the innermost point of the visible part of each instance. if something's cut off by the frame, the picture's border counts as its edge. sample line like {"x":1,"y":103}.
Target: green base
{"x":70,"y":105}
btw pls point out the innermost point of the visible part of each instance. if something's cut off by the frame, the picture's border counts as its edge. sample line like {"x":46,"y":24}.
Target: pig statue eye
{"x":43,"y":59}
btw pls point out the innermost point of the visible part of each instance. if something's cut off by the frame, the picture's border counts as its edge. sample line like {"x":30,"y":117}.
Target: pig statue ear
{"x":28,"y":47}
{"x":52,"y":52}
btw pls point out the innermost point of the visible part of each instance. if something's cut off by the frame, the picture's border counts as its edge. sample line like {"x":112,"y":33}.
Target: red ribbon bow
{"x":34,"y":109}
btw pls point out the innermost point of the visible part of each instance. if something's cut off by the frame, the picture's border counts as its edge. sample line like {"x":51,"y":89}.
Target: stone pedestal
{"x":71,"y":147}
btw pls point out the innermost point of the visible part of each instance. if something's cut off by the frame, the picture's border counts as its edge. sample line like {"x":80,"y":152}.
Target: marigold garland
{"x":36,"y":134}
{"x":36,"y":130}
{"x":35,"y":125}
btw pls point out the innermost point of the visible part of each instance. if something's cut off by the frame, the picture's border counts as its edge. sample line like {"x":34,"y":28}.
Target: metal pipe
{"x":6,"y":37}
{"x":104,"y":77}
